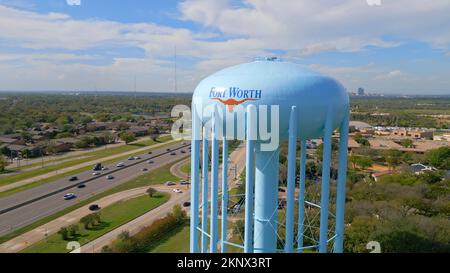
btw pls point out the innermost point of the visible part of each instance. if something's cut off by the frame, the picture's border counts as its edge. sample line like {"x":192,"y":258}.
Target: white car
{"x":120,"y":165}
{"x":96,"y":173}
{"x":177,"y":191}
{"x":137,"y":157}
{"x":69,"y":196}
{"x":104,"y":168}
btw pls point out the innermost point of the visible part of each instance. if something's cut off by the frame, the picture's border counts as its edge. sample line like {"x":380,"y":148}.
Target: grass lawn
{"x":67,"y":174}
{"x":186,"y":168}
{"x":177,"y":241}
{"x":95,"y":155}
{"x":158,"y":176}
{"x":112,"y":217}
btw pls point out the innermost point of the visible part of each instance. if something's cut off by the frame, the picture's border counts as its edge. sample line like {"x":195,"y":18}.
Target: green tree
{"x":87,"y":221}
{"x":64,"y":232}
{"x":439,"y":158}
{"x":393,"y":158}
{"x":3,"y":163}
{"x":73,"y":230}
{"x":151,"y":192}
{"x":127,"y":137}
{"x":407,"y":143}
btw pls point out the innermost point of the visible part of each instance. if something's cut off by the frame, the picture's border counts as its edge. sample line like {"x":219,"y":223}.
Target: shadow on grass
{"x":167,"y":236}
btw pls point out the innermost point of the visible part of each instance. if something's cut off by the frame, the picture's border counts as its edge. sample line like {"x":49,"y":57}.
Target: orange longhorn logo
{"x":231,"y":103}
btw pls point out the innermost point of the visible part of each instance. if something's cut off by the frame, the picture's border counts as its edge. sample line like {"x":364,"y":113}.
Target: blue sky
{"x":400,"y":46}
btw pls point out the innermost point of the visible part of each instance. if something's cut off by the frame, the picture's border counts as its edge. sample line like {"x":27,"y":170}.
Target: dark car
{"x":73,"y":178}
{"x":183,"y":151}
{"x":168,"y":150}
{"x":82,"y":186}
{"x":186,"y":204}
{"x":281,"y":190}
{"x":94,"y":207}
{"x":173,"y":153}
{"x":98,"y":167}
{"x":150,"y":152}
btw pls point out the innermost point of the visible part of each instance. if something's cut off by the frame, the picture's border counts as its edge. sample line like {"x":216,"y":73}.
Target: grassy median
{"x":112,"y":217}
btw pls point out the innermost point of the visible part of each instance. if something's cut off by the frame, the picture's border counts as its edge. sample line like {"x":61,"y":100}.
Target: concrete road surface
{"x":28,"y":206}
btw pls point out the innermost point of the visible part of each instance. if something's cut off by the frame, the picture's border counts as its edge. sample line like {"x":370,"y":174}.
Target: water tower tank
{"x":308,"y":105}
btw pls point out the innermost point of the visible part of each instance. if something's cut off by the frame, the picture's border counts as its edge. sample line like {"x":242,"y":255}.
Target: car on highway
{"x":131,"y":158}
{"x":144,"y":169}
{"x":173,"y":153}
{"x":183,"y":151}
{"x":81,"y":186}
{"x":137,"y":157}
{"x":96,"y":173}
{"x":168,"y":149}
{"x":150,"y":152}
{"x":110,"y":177}
{"x":73,"y":178}
{"x":94,"y":207}
{"x":186,"y":204}
{"x":150,"y":162}
{"x":177,"y":191}
{"x":69,"y":196}
{"x":120,"y":165}
{"x":105,"y":168}
{"x":170,"y":183}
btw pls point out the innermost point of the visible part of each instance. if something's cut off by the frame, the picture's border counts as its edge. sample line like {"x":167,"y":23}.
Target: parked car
{"x":73,"y":178}
{"x":120,"y":165}
{"x":104,"y":168}
{"x":177,"y":191}
{"x":136,"y":157}
{"x":186,"y":204}
{"x":185,"y":182}
{"x":170,"y":183}
{"x":110,"y":177}
{"x":81,"y":186}
{"x":94,"y":207}
{"x":69,"y":196}
{"x":183,"y":151}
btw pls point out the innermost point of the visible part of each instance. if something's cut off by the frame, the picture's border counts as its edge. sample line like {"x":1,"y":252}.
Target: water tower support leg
{"x":326,"y":161}
{"x":249,"y":178}
{"x":214,"y":185}
{"x":224,"y":194}
{"x":194,"y":181}
{"x":301,"y":197}
{"x":205,"y":164}
{"x":342,"y":176}
{"x":290,"y":196}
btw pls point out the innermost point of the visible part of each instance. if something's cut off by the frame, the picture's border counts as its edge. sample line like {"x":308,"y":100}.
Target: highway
{"x":28,"y":206}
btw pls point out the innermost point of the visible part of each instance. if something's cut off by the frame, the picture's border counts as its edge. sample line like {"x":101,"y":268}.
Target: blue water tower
{"x":266,"y":103}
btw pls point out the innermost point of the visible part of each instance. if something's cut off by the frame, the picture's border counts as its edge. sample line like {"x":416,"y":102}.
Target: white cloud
{"x":231,"y":34}
{"x":73,"y":2}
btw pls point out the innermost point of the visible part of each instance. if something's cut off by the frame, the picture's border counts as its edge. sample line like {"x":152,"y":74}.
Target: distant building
{"x":445,"y":137}
{"x":413,"y":133}
{"x":361,"y":92}
{"x":421,"y":168}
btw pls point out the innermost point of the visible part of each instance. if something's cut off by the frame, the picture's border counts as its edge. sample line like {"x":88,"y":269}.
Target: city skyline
{"x":399,"y":47}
